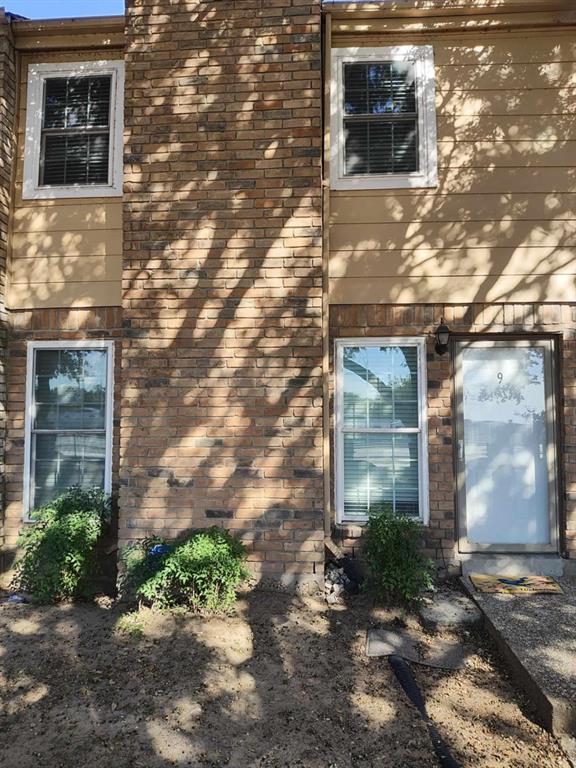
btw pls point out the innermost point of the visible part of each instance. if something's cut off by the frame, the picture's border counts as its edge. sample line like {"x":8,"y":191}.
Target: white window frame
{"x":37,"y":76}
{"x":32,"y":346}
{"x":386,"y":341}
{"x":422,"y":57}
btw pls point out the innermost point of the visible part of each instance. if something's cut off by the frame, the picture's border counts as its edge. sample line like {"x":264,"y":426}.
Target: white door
{"x":506,"y":446}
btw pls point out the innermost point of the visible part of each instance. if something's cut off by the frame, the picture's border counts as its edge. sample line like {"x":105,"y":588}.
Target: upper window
{"x":380,"y":428}
{"x":68,"y":418}
{"x":74,"y":130}
{"x":383,"y":130}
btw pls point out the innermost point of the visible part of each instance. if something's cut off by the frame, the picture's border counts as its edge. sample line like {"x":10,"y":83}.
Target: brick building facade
{"x":222,"y":388}
{"x":239,"y":256}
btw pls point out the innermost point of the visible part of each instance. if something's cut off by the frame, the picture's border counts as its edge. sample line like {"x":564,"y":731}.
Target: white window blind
{"x":75,"y":131}
{"x":380,"y":429}
{"x":380,"y":118}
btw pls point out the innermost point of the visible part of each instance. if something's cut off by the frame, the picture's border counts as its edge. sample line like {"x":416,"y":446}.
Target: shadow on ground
{"x":283,"y":682}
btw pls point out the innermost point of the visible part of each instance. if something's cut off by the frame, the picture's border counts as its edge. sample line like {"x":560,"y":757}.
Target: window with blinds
{"x":380,"y":118}
{"x":75,"y":140}
{"x":74,"y":130}
{"x":383,"y":118}
{"x":380,"y":429}
{"x":70,"y":420}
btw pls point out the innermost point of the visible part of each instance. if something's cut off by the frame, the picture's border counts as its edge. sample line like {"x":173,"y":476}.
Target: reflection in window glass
{"x":68,"y":435}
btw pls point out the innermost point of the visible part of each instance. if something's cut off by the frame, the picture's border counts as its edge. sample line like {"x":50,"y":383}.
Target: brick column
{"x":7,"y":150}
{"x":222,"y":395}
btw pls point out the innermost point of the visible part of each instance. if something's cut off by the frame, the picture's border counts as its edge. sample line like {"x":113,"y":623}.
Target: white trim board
{"x":32,"y":346}
{"x":423,"y":58}
{"x":396,"y":341}
{"x":37,"y":75}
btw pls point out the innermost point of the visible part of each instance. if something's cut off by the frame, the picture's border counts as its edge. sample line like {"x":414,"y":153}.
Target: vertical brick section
{"x":7,"y":153}
{"x":46,"y":325}
{"x":404,"y":320}
{"x":222,"y":397}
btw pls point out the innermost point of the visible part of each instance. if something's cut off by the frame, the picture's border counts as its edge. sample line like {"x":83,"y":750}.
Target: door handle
{"x":460,"y":450}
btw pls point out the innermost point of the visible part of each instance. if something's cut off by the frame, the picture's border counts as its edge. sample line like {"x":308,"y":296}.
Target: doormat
{"x":522,"y":585}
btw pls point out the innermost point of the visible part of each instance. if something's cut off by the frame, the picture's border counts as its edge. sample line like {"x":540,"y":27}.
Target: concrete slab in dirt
{"x":449,"y":611}
{"x":434,"y":653}
{"x":537,"y":636}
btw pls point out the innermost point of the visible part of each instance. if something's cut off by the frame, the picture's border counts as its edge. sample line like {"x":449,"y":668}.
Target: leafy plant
{"x":202,"y":572}
{"x":398,"y":570}
{"x":131,"y":624}
{"x":58,"y":546}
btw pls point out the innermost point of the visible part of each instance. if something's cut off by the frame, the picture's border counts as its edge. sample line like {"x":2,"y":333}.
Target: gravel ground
{"x":282,"y":683}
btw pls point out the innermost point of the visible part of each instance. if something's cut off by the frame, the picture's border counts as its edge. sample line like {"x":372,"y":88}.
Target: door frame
{"x":549,"y":343}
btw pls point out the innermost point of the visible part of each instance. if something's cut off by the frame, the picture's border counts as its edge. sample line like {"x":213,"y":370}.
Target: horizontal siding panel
{"x":68,"y":218}
{"x":58,"y":269}
{"x":63,"y":252}
{"x":453,"y":289}
{"x":359,"y":238}
{"x":450,"y":27}
{"x":349,"y":208}
{"x":489,"y":181}
{"x":514,"y":49}
{"x":506,"y":128}
{"x":70,"y":243}
{"x":509,"y":76}
{"x":65,"y":294}
{"x":429,"y":262}
{"x":527,"y":101}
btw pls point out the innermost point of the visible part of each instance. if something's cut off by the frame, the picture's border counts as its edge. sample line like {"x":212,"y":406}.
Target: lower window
{"x":68,"y":418}
{"x":381,"y":447}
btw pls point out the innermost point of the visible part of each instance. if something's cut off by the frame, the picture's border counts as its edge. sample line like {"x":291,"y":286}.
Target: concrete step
{"x":515,"y":565}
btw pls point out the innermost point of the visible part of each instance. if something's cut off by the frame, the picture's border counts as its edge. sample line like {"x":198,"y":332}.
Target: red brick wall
{"x":46,"y":325}
{"x":388,"y":320}
{"x":7,"y":151}
{"x":222,"y":395}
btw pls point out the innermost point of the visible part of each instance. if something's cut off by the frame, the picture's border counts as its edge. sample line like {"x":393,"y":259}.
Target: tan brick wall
{"x":396,"y":320}
{"x":7,"y":150}
{"x":222,"y":392}
{"x":47,"y":325}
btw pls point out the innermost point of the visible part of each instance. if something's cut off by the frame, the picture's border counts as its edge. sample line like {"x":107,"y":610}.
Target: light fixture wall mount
{"x":442,"y":336}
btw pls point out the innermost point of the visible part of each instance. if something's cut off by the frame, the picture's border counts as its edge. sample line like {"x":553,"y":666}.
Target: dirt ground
{"x":282,"y":683}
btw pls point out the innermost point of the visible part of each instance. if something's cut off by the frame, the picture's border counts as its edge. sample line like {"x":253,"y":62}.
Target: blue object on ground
{"x":160,"y":549}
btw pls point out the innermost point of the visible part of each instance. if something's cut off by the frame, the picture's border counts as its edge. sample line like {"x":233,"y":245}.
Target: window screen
{"x":380,"y":118}
{"x":380,"y":430}
{"x":68,"y":430}
{"x":75,"y":131}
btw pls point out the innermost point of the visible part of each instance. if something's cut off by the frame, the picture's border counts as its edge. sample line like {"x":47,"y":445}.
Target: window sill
{"x":349,"y":530}
{"x":31,"y":192}
{"x":419,"y":181}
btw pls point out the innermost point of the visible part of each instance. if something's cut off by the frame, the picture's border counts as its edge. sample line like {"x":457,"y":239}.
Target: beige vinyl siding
{"x":63,"y":252}
{"x":501,"y":225}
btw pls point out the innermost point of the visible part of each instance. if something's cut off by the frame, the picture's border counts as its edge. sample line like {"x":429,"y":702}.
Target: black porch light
{"x":442,"y":338}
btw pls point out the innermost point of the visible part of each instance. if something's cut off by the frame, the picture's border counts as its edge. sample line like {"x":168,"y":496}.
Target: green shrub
{"x":398,"y":570}
{"x":202,"y":572}
{"x":58,"y":547}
